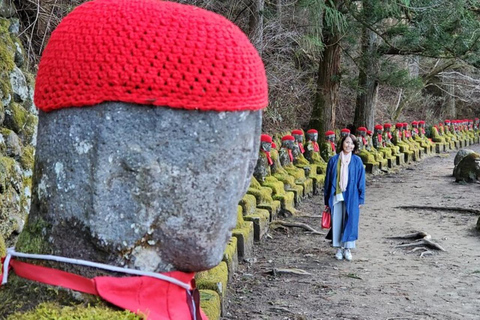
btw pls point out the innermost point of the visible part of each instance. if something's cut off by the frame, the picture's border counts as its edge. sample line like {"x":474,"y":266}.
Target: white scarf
{"x":345,"y":161}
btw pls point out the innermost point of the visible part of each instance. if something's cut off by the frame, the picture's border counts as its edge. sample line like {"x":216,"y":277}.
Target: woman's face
{"x":348,"y":145}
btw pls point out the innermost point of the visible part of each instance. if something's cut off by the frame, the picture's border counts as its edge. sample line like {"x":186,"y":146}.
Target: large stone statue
{"x":135,"y":169}
{"x":312,"y":151}
{"x":328,"y":147}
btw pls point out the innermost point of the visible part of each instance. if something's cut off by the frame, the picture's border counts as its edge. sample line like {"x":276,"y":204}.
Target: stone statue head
{"x":312,"y":135}
{"x":265,"y":142}
{"x":148,"y":133}
{"x":298,"y":135}
{"x":344,"y":132}
{"x":288,"y":142}
{"x":330,"y":136}
{"x":378,"y":129}
{"x":362,"y":131}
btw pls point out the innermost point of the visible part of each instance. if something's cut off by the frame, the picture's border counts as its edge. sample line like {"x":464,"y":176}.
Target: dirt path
{"x":382,"y":282}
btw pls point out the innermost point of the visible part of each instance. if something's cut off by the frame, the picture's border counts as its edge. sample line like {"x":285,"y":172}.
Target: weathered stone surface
{"x":468,"y":169}
{"x":13,"y":143}
{"x":7,"y":9}
{"x":19,"y":85}
{"x":461,"y":154}
{"x":139,"y":186}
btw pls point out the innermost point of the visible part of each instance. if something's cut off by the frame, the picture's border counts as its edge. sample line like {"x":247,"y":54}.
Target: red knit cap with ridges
{"x":387,"y":125}
{"x":150,"y":52}
{"x":378,"y":127}
{"x":329,"y":133}
{"x":345,"y":130}
{"x":312,"y":131}
{"x":362,"y":129}
{"x":298,"y":132}
{"x":288,"y":137}
{"x":265,"y":138}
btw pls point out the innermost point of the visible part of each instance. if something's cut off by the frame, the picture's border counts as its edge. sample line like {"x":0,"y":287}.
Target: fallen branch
{"x":454,"y":209}
{"x":296,"y":224}
{"x":276,"y":271}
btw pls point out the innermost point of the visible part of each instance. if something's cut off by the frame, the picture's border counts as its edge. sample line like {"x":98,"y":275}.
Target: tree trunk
{"x":450,"y":97}
{"x":367,"y":81}
{"x":255,"y":25}
{"x":328,"y":83}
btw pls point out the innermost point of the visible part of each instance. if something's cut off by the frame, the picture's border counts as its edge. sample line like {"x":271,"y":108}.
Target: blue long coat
{"x":354,"y":195}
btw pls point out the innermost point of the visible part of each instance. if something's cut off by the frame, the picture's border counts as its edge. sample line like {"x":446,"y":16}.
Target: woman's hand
{"x":359,"y":206}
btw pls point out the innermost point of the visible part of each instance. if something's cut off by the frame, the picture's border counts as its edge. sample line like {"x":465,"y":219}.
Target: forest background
{"x":338,"y":63}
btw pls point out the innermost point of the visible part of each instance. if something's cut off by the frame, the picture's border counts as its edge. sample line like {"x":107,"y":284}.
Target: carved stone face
{"x":362,"y":133}
{"x":266,"y":146}
{"x":298,"y":138}
{"x":288,"y":144}
{"x":312,"y":137}
{"x":330,"y":138}
{"x":160,"y":185}
{"x":378,"y":131}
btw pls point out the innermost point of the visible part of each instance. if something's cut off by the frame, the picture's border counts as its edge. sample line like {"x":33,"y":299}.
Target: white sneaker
{"x":347,"y":254}
{"x":339,"y":254}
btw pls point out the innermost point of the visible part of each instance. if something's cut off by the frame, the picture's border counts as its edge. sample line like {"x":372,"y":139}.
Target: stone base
{"x":211,"y":305}
{"x":400,"y":159}
{"x":230,"y":256}
{"x":215,"y":279}
{"x":372,"y":168}
{"x":392,"y":162}
{"x":244,"y":235}
{"x":260,"y":221}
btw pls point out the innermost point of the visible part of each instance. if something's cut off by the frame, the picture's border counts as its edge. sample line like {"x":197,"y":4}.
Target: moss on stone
{"x":17,"y":117}
{"x":248,"y":203}
{"x":31,"y":239}
{"x":3,"y":249}
{"x":53,"y":311}
{"x":214,"y":279}
{"x":240,"y":220}
{"x":27,"y":157}
{"x":7,"y":54}
{"x":230,"y":250}
{"x":210,"y":304}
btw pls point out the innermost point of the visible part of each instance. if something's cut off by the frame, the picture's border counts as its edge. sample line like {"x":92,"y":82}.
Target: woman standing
{"x":345,"y":192}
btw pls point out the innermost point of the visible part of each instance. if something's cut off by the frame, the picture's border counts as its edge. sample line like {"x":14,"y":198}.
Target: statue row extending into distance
{"x":293,"y":165}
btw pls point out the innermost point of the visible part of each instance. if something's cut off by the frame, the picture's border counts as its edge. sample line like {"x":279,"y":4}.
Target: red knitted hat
{"x":398,"y":125}
{"x":476,"y":119}
{"x":369,"y":132}
{"x":298,"y":132}
{"x":288,"y":138}
{"x":329,"y":133}
{"x":421,"y":122}
{"x":150,"y":52}
{"x":414,"y":123}
{"x":447,"y":121}
{"x":345,"y":130}
{"x":312,"y":131}
{"x":387,"y":125}
{"x":362,"y":129}
{"x":265,"y":138}
{"x":378,"y":127}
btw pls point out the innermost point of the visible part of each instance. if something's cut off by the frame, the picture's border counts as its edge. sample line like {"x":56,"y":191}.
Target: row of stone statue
{"x":293,"y":165}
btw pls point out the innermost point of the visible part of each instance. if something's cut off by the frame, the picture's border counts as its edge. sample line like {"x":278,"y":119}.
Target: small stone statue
{"x":328,"y":147}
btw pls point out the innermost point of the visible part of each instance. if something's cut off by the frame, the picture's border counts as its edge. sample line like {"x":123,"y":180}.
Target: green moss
{"x":262,"y":196}
{"x":7,"y":170}
{"x":3,"y":249}
{"x":230,"y":250}
{"x":7,"y":54}
{"x":31,"y":239}
{"x":277,"y":186}
{"x":214,"y":279}
{"x":248,"y":203}
{"x":240,"y":220}
{"x":52,"y":311}
{"x":210,"y":304}
{"x":27,"y":158}
{"x":17,"y":117}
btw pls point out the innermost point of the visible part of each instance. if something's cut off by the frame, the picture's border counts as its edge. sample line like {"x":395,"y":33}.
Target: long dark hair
{"x":354,"y":140}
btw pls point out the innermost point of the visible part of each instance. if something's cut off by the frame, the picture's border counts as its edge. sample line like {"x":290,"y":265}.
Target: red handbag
{"x":326,"y":218}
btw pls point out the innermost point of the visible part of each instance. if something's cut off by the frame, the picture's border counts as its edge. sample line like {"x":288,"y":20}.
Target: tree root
{"x":453,"y":209}
{"x":423,"y":240}
{"x":296,"y":224}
